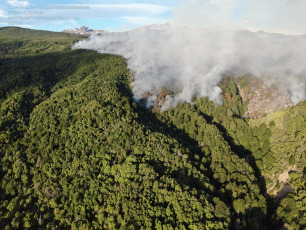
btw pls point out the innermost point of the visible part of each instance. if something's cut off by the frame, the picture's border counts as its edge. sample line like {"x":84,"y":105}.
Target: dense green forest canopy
{"x":78,"y":153}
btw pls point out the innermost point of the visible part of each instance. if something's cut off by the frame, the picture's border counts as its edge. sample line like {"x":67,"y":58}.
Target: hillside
{"x":15,"y":41}
{"x":262,"y":95}
{"x":78,"y":153}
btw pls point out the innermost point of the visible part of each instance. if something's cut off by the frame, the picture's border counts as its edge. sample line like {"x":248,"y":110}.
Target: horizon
{"x":238,"y":29}
{"x":276,"y":16}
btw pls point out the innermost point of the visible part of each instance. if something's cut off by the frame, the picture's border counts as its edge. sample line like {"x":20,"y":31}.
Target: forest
{"x":77,"y":152}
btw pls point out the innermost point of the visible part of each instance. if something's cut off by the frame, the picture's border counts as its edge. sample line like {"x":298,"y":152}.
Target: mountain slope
{"x":78,"y":152}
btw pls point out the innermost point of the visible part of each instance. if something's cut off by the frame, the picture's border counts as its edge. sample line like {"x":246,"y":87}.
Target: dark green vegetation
{"x":77,"y":152}
{"x":16,"y":42}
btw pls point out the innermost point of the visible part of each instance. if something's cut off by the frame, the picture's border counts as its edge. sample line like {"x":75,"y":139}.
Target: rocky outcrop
{"x":262,"y":95}
{"x":84,"y":30}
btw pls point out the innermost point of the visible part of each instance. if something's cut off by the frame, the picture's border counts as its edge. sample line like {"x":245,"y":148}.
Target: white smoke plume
{"x":193,"y":61}
{"x":280,"y":16}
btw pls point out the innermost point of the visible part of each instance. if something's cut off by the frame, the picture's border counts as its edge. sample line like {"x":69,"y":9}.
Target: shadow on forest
{"x":150,"y":121}
{"x":272,"y":202}
{"x":49,"y":71}
{"x":239,"y":150}
{"x":43,"y":70}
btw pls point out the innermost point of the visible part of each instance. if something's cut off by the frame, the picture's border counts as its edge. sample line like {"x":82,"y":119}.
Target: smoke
{"x":193,"y":61}
{"x":281,"y":16}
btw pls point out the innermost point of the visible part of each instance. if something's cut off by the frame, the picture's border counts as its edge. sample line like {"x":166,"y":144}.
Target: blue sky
{"x":284,"y":16}
{"x":115,"y":15}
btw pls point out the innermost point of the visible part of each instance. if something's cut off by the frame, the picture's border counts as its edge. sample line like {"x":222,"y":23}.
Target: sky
{"x":281,"y":16}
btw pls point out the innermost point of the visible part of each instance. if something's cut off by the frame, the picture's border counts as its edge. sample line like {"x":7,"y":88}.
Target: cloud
{"x":287,"y":16}
{"x":17,"y":3}
{"x":115,"y":10}
{"x":141,"y":21}
{"x":109,"y":10}
{"x":193,"y":61}
{"x":289,"y":2}
{"x":2,"y":14}
{"x":124,"y":14}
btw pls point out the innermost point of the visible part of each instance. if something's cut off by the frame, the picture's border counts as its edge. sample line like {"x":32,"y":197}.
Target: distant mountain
{"x":83,"y":30}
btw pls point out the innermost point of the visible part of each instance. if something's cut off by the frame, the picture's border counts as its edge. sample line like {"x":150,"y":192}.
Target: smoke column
{"x":192,"y":61}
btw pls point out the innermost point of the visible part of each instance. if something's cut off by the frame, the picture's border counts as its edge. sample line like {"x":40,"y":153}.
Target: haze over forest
{"x":194,"y":124}
{"x":193,"y":61}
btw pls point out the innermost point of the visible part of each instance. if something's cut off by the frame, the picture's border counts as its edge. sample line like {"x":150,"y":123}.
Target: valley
{"x":79,"y":152}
